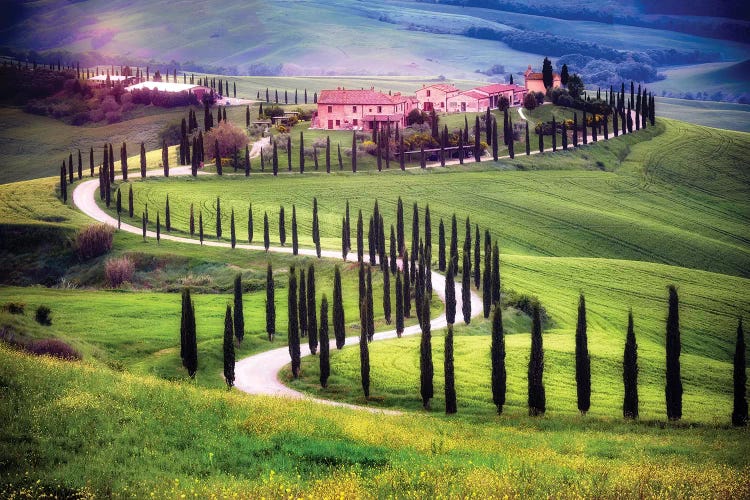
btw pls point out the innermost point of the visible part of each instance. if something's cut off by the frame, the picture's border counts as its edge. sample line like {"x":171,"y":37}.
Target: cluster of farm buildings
{"x":343,"y":109}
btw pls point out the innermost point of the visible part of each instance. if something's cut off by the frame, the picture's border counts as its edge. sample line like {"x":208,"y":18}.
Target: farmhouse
{"x":198,"y":90}
{"x":535,"y":82}
{"x":360,"y":109}
{"x":436,"y":96}
{"x":101,"y":80}
{"x":468,"y":101}
{"x":514,"y":93}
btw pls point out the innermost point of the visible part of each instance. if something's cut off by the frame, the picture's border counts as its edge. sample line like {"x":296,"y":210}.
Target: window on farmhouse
{"x":330,"y":109}
{"x":355,"y":122}
{"x":354,"y":109}
{"x":428,"y":93}
{"x":380,"y":109}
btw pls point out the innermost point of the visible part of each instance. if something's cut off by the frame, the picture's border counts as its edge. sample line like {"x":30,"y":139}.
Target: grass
{"x":73,"y":427}
{"x":708,"y":113}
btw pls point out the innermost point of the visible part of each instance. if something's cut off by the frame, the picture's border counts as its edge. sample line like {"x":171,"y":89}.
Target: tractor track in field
{"x":259,"y":373}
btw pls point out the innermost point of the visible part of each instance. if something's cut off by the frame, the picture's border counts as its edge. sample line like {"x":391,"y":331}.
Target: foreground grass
{"x":74,"y":428}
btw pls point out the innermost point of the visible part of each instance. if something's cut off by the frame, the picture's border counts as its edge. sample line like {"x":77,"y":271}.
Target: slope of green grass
{"x":708,"y":113}
{"x":73,"y":428}
{"x":710,"y":305}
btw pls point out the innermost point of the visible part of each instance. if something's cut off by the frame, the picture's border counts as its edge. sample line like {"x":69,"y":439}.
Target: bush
{"x":230,"y":136}
{"x":540,"y":96}
{"x":94,"y":240}
{"x":53,"y":347}
{"x":529,"y":101}
{"x":119,"y":270}
{"x":43,"y":315}
{"x":14,"y":307}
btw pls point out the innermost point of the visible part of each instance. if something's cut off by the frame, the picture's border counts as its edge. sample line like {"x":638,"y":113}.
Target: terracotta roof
{"x":538,"y":76}
{"x":354,"y":97}
{"x":472,"y":94}
{"x":495,"y":88}
{"x":445,"y":87}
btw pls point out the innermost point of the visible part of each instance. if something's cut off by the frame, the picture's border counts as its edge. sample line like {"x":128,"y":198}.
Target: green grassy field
{"x":618,"y":220}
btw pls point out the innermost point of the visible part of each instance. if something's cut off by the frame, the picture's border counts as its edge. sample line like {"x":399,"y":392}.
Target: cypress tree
{"x":340,"y":158}
{"x":477,"y":139}
{"x":344,"y":248}
{"x":575,"y":130}
{"x":394,"y":253}
{"x":564,"y":135}
{"x":239,"y":315}
{"x":218,"y":218}
{"x":414,"y":231}
{"x":247,"y":161}
{"x":495,"y":274}
{"x":399,"y":305}
{"x":454,"y":246}
{"x":191,"y":220}
{"x":63,"y":183}
{"x":554,"y":134}
{"x":228,"y":349}
{"x":325,"y":363}
{"x":348,"y":228}
{"x":165,"y":159}
{"x":583,"y":361}
{"x":614,"y":122}
{"x":594,"y":128}
{"x":511,"y":147}
{"x":487,"y":277}
{"x":316,"y":227}
{"x":477,"y":257}
{"x":302,"y":304}
{"x":371,"y":241}
{"x":460,"y":148}
{"x":673,"y":390}
{"x":282,"y":226}
{"x":528,"y":143}
{"x":400,"y":226}
{"x":158,"y":228}
{"x":426,"y":368}
{"x":360,"y":236}
{"x":249,"y":223}
{"x":270,"y":304}
{"x":266,"y":238}
{"x":450,"y":379}
{"x":405,"y":288}
{"x":167,"y":216}
{"x":200,"y":226}
{"x":370,"y":308}
{"x":540,"y":134}
{"x":387,"y":295}
{"x":289,"y":153}
{"x":80,"y":165}
{"x":537,"y":398}
{"x":466,"y":289}
{"x":427,"y":231}
{"x":450,"y":297}
{"x":339,"y":328}
{"x":364,"y":350}
{"x":295,"y":239}
{"x":312,"y":317}
{"x":328,"y":154}
{"x":275,"y":159}
{"x":91,"y":161}
{"x":247,"y":117}
{"x":293,"y":323}
{"x":354,"y":151}
{"x":130,"y":202}
{"x":493,"y":133}
{"x":630,"y":372}
{"x":111,"y":165}
{"x":739,"y":411}
{"x":123,"y":162}
{"x":70,"y":168}
{"x":441,"y":246}
{"x":118,"y":202}
{"x":191,"y":343}
{"x":497,"y":358}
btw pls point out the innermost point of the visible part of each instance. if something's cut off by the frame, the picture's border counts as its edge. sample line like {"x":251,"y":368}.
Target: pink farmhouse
{"x":436,"y":97}
{"x":535,"y":82}
{"x":360,"y":109}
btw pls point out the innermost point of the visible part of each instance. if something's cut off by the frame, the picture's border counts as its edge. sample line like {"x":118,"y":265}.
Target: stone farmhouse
{"x":342,"y":109}
{"x":535,"y":82}
{"x":436,"y":97}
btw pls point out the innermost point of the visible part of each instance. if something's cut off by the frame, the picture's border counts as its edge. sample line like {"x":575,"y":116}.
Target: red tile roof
{"x":472,"y":94}
{"x":534,"y":76}
{"x":445,"y":87}
{"x":354,"y":97}
{"x":495,"y":88}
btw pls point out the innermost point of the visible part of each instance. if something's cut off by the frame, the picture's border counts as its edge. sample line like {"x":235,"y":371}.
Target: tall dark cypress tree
{"x":406,"y":286}
{"x":495,"y":274}
{"x":487,"y":276}
{"x":293,"y":323}
{"x":364,"y":349}
{"x":275,"y":159}
{"x":64,"y":183}
{"x":450,"y":297}
{"x":540,"y":134}
{"x":316,"y":227}
{"x":312,"y":316}
{"x":282,"y":226}
{"x":370,"y":306}
{"x":80,"y":165}
{"x":575,"y":130}
{"x":466,"y":289}
{"x":441,"y":246}
{"x":344,"y":248}
{"x":295,"y":239}
{"x":130,"y":203}
{"x":493,"y":134}
{"x":453,"y":260}
{"x":190,"y":361}
{"x":167,"y":215}
{"x":427,"y":231}
{"x":250,"y":223}
{"x":414,"y":231}
{"x":270,"y":304}
{"x":348,"y":231}
{"x":450,"y":379}
{"x":673,"y":390}
{"x":477,"y":141}
{"x":232,"y":230}
{"x":91,"y":161}
{"x":325,"y":362}
{"x":497,"y":358}
{"x":328,"y":154}
{"x":399,"y":305}
{"x":537,"y":399}
{"x":218,"y":218}
{"x":477,"y":257}
{"x":228,"y":349}
{"x":266,"y":236}
{"x":400,"y":226}
{"x":739,"y":411}
{"x":360,"y":238}
{"x":426,"y":368}
{"x":387,"y":294}
{"x":200,"y":226}
{"x":239,"y":314}
{"x":394,"y":253}
{"x":339,"y":328}
{"x":583,"y":361}
{"x":528,"y":140}
{"x":354,"y":151}
{"x":630,"y":372}
{"x":554,"y":134}
{"x":302,"y":307}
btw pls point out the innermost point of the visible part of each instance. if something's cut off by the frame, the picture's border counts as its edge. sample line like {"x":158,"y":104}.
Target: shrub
{"x":94,"y":240}
{"x":119,"y":270}
{"x":53,"y":347}
{"x":539,"y":98}
{"x":43,"y":315}
{"x":529,"y":101}
{"x":230,"y":136}
{"x":14,"y":307}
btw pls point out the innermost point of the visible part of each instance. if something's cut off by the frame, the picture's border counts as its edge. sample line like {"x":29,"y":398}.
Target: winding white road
{"x":259,"y":373}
